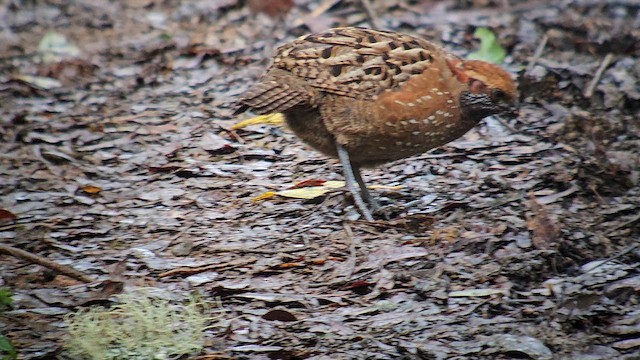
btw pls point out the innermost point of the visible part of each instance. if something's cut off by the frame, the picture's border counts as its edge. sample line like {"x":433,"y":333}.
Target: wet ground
{"x":118,"y":158}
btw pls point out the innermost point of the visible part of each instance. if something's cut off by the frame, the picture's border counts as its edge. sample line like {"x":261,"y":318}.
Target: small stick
{"x":588,"y":92}
{"x":625,"y":224}
{"x":536,"y":55}
{"x":63,"y":269}
{"x":371,"y":14}
{"x":614,"y":257}
{"x":321,"y":9}
{"x":505,"y":124}
{"x":324,"y":7}
{"x":352,"y":249}
{"x":200,"y":269}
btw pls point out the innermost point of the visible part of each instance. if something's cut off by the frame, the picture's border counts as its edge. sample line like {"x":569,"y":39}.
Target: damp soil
{"x":119,"y":159}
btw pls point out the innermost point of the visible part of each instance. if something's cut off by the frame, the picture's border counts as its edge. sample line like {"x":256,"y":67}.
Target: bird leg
{"x":385,"y":211}
{"x":366,"y":196}
{"x":351,"y":178}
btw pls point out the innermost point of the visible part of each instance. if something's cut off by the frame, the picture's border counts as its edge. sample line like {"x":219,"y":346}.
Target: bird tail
{"x":271,"y":95}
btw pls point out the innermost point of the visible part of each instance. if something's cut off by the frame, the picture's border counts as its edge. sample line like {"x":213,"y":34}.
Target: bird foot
{"x":365,"y":211}
{"x":387,"y":211}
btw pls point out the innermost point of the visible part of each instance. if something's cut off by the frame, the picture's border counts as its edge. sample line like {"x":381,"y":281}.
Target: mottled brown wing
{"x":356,"y":62}
{"x":276,"y":91}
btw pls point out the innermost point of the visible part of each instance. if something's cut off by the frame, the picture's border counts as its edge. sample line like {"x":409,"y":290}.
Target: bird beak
{"x":510,"y":110}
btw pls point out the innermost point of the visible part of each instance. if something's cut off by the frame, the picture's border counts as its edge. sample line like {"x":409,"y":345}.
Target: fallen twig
{"x":588,"y":92}
{"x":371,"y":14}
{"x":187,"y":271}
{"x":536,"y":55}
{"x":615,"y":257}
{"x":321,"y":9}
{"x":33,"y":258}
{"x":353,"y":249}
{"x":624,"y":224}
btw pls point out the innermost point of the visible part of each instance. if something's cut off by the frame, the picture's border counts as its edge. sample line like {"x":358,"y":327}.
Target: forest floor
{"x":118,"y":159}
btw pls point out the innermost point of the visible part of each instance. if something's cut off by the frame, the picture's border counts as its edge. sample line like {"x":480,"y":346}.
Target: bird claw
{"x":386,"y":210}
{"x":389,"y":211}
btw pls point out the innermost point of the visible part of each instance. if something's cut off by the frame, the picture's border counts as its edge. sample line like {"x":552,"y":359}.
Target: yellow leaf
{"x":273,"y":119}
{"x":304,"y":193}
{"x":90,"y":189}
{"x":264,"y":196}
{"x":311,"y":192}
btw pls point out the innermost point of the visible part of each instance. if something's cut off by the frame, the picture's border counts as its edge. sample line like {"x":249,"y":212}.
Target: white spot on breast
{"x":439,"y":112}
{"x":411,"y":104}
{"x":415,"y":133}
{"x":413,"y":121}
{"x":403,"y":123}
{"x":440,"y":93}
{"x":399,"y":143}
{"x":426,"y":97}
{"x":408,"y":143}
{"x":382,"y":148}
{"x":389,"y":123}
{"x":400,"y":103}
{"x":450,"y":101}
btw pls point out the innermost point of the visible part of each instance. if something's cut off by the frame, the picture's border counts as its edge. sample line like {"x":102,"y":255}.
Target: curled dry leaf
{"x":280,"y":315}
{"x":544,"y":229}
{"x":308,"y":183}
{"x":7,"y":215}
{"x":273,"y":8}
{"x":216,"y":144}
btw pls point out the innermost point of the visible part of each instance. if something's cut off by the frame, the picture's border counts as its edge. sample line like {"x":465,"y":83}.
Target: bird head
{"x":490,"y":90}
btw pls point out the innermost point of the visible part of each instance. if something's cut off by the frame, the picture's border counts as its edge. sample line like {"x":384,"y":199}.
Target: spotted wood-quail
{"x":369,"y":97}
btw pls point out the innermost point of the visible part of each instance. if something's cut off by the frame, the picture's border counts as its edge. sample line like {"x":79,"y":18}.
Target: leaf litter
{"x":122,"y":160}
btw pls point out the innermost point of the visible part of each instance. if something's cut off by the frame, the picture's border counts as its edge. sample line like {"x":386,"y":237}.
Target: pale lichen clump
{"x":138,"y":327}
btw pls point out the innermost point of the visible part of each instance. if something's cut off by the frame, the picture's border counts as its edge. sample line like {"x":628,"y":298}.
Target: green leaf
{"x":5,"y":298}
{"x":490,"y":50}
{"x":7,"y":351}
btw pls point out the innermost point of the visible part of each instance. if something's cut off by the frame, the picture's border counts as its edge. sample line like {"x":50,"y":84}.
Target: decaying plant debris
{"x":119,"y":161}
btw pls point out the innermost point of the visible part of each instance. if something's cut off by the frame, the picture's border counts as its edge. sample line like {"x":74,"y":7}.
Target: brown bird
{"x":369,"y":97}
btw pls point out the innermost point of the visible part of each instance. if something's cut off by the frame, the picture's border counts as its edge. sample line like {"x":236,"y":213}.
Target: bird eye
{"x":499,"y":95}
